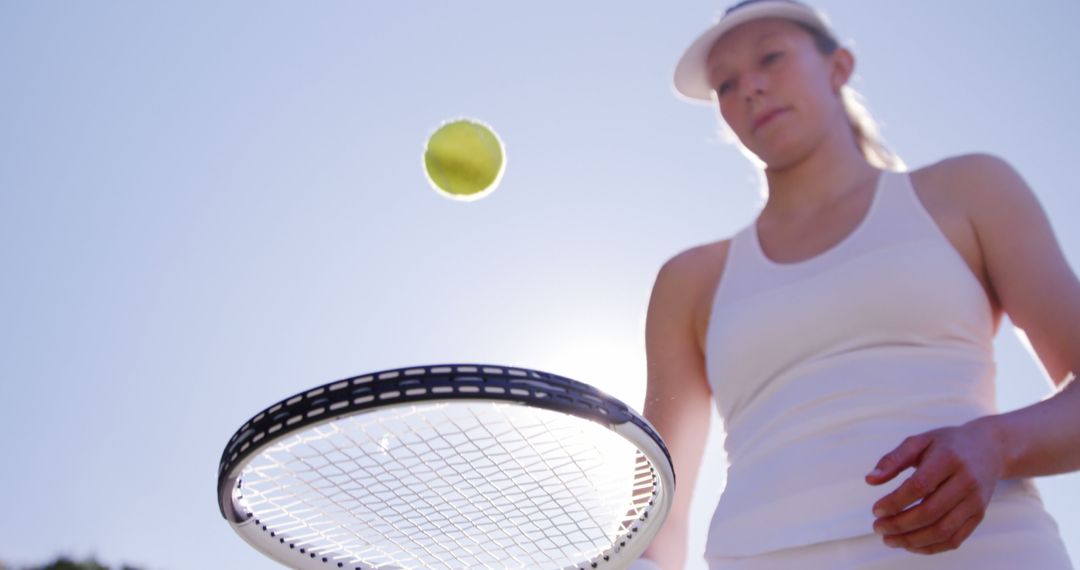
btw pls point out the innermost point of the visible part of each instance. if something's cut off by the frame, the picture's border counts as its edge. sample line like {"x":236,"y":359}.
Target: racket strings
{"x":555,"y":459}
{"x":393,"y":518}
{"x":437,"y":486}
{"x":500,"y":463}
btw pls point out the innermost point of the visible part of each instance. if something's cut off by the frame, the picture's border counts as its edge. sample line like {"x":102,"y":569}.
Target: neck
{"x":831,"y":171}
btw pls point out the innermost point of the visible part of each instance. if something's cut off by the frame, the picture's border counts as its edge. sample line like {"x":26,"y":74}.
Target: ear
{"x":842,"y":66}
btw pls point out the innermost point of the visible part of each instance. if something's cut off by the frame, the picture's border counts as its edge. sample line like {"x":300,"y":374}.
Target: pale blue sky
{"x":205,"y":207}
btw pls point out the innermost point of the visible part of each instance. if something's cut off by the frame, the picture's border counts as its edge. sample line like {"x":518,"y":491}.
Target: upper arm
{"x":676,"y":381}
{"x":1024,"y":262}
{"x":678,"y":399}
{"x":675,"y":362}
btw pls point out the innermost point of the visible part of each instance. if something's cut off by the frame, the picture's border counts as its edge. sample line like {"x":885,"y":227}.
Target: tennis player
{"x":846,"y":335}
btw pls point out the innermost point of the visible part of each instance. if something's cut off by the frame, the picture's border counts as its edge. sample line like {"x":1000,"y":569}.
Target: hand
{"x":956,"y":470}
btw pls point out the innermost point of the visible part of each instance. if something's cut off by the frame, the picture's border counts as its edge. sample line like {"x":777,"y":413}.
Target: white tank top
{"x":820,"y":367}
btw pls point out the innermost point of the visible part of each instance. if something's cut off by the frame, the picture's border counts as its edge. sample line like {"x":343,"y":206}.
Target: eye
{"x":724,"y":87}
{"x":771,"y":57}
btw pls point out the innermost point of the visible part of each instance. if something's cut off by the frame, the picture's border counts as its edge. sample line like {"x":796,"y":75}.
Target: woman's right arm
{"x":677,"y":397}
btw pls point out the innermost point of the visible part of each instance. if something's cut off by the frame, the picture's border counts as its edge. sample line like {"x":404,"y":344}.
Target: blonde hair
{"x":867,"y":135}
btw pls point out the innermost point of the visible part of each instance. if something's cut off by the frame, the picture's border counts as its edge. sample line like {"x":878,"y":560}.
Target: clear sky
{"x":206,"y":207}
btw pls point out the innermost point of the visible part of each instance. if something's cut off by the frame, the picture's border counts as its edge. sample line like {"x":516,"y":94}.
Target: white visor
{"x":691,"y":76}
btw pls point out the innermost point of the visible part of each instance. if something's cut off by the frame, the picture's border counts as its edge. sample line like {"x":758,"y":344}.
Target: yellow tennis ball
{"x":464,"y":159}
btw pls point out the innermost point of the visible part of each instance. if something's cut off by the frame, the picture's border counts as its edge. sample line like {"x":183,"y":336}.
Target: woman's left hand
{"x":956,"y":470}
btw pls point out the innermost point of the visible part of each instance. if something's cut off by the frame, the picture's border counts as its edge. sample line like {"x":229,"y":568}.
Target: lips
{"x":766,"y":117}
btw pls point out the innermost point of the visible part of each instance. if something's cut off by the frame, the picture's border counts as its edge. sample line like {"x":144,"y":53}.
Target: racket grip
{"x":643,"y":564}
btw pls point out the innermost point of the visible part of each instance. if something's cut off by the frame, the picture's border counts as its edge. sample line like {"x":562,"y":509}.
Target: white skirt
{"x":1016,"y":532}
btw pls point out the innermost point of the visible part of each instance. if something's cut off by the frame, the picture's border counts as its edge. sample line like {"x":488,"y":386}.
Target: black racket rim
{"x":435,"y":382}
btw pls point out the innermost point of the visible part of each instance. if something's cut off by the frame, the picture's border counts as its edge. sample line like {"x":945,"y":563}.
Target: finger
{"x":933,"y":470}
{"x":937,"y":505}
{"x":939,"y":531}
{"x":905,"y":455}
{"x":955,"y":541}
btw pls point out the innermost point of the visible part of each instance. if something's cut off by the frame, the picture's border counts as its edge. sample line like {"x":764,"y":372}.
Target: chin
{"x":781,"y":158}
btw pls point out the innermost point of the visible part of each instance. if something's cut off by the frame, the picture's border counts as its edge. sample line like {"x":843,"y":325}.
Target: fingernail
{"x":876,"y":472}
{"x":879,"y":512}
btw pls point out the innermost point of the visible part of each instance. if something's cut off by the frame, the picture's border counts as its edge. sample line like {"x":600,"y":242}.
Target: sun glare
{"x":602,"y":361}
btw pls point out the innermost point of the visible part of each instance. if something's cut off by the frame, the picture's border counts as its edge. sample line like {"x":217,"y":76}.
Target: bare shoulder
{"x":695,"y":269}
{"x":983,"y":190}
{"x":690,"y":265}
{"x":685,"y":283}
{"x":980,"y":184}
{"x":966,"y":165}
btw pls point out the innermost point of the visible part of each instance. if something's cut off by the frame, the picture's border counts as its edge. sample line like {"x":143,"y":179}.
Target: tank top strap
{"x":743,"y":264}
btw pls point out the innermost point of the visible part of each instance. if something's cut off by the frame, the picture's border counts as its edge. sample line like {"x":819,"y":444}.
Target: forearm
{"x":684,"y":424}
{"x":686,"y":443}
{"x":1040,"y":439}
{"x":668,"y":549}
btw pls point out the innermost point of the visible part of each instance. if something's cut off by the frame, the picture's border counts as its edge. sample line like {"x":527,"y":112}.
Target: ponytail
{"x":863,"y":125}
{"x":865,"y":129}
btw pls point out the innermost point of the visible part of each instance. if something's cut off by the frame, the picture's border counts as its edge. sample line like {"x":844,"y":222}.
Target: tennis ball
{"x":464,"y":159}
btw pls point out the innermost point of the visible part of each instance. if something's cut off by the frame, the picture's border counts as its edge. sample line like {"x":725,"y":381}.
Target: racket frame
{"x":434,"y":383}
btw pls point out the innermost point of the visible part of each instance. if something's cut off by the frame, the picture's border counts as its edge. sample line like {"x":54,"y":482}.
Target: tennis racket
{"x":447,"y":467}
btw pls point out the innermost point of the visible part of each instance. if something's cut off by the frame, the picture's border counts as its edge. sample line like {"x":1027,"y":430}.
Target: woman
{"x":846,"y":335}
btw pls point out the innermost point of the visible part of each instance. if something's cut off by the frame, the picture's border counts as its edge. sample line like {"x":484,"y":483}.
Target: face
{"x":776,"y":91}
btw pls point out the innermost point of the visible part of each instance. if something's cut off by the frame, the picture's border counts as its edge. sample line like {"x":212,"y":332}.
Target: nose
{"x":753,"y":83}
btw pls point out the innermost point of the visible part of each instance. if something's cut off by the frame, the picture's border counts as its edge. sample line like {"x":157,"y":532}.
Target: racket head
{"x":346,"y":475}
